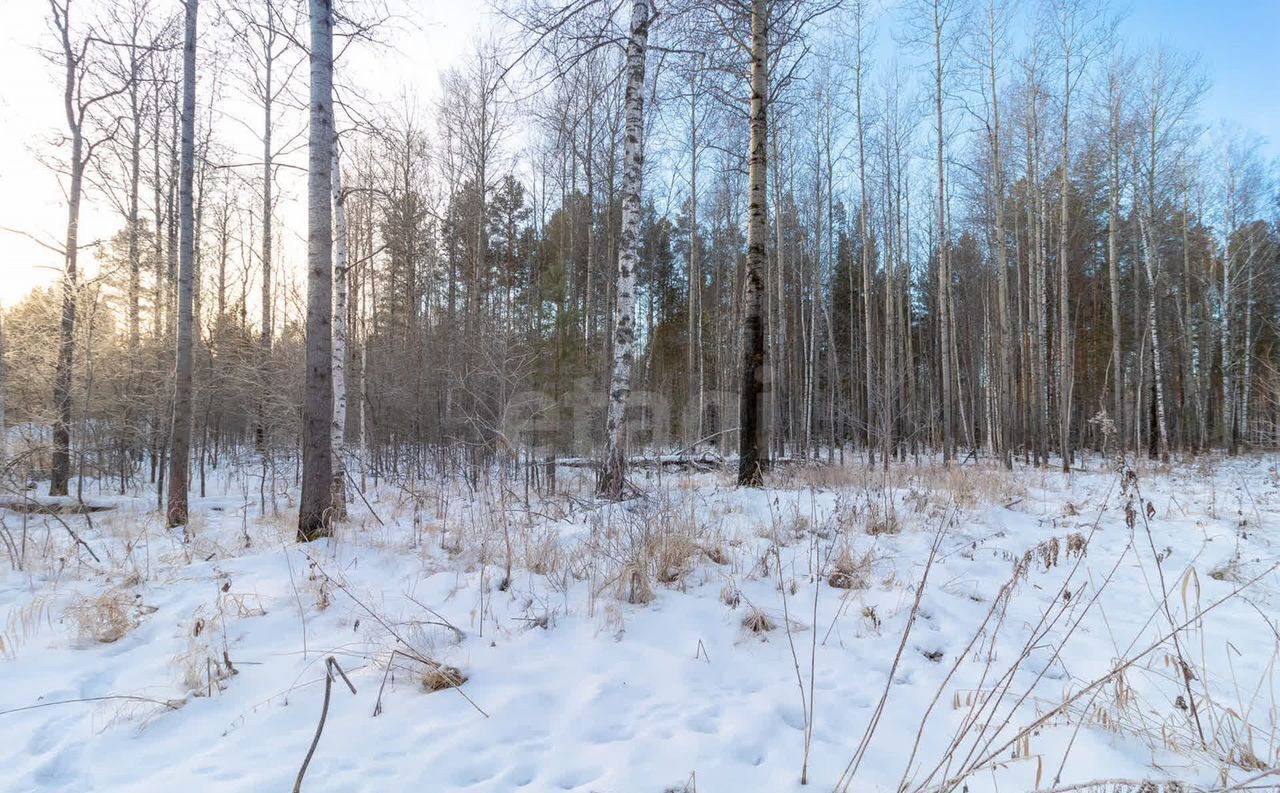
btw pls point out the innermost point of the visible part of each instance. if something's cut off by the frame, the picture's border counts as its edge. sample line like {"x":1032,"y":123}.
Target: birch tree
{"x":750,"y":461}
{"x":613,"y":469}
{"x":1240,"y":183}
{"x":1169,"y":90}
{"x":315,"y":505}
{"x":340,"y":309}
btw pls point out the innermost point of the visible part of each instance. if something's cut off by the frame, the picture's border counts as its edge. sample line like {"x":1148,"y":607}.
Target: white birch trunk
{"x":1224,"y":311}
{"x":1065,"y":346}
{"x":613,"y":471}
{"x":1153,"y":328}
{"x":750,"y":462}
{"x":1246,"y":379}
{"x":314,"y":507}
{"x":340,"y":280}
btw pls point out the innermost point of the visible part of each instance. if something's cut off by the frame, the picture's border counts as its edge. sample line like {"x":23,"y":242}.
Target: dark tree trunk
{"x":180,"y":456}
{"x":750,"y":461}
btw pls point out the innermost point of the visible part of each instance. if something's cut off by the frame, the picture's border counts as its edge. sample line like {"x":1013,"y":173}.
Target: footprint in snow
{"x":520,"y":775}
{"x":576,"y":777}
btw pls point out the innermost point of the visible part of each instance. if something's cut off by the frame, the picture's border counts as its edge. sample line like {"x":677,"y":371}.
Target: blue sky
{"x":1239,"y":46}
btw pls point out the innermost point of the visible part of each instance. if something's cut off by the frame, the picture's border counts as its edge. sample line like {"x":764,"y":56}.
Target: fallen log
{"x":52,"y":506}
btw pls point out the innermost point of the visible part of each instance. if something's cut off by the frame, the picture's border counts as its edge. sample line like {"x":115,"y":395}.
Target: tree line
{"x":780,"y":229}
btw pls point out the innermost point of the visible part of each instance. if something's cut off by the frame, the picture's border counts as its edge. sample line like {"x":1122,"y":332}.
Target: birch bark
{"x":613,"y":471}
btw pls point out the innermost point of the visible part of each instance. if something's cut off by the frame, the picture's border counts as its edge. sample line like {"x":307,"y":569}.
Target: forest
{"x":1027,"y":245}
{"x":637,"y":297}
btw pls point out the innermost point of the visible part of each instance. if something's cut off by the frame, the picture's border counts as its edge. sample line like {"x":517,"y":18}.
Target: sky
{"x":1238,"y":47}
{"x":1236,"y":41}
{"x":430,"y":35}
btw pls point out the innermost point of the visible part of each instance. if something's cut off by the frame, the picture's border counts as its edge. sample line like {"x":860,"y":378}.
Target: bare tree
{"x":1115,"y":98}
{"x":992,"y":43}
{"x":1170,"y":88}
{"x":868,"y":375}
{"x":264,"y":34}
{"x":82,"y":93}
{"x":180,"y":455}
{"x":939,"y":15}
{"x":1080,"y":30}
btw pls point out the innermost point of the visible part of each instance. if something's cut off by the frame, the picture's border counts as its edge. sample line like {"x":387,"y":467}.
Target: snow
{"x":571,"y":687}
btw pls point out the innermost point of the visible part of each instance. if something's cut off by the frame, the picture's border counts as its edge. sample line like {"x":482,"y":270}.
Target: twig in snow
{"x":360,"y":493}
{"x":171,"y":704}
{"x":1183,"y":667}
{"x":846,"y":778}
{"x":330,"y":664}
{"x":390,"y":629}
{"x":701,"y":652}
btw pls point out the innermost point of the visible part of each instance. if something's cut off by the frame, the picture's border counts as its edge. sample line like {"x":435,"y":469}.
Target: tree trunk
{"x":1246,"y":379}
{"x":868,"y":374}
{"x":613,"y":470}
{"x":180,"y":456}
{"x":317,"y":408}
{"x":1113,"y":266}
{"x":340,"y":281}
{"x":135,"y":174}
{"x":944,"y":243}
{"x":1064,"y":308}
{"x":1004,"y":402}
{"x":60,"y":462}
{"x":268,"y":240}
{"x":694,"y":300}
{"x":1162,"y":432}
{"x":750,"y":462}
{"x":1224,"y":311}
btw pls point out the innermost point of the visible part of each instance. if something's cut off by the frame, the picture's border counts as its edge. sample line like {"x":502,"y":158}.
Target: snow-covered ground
{"x":621,"y":656}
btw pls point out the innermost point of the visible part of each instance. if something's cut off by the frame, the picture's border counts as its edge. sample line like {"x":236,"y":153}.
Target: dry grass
{"x":850,"y":572}
{"x":441,"y":676}
{"x":851,"y":476}
{"x":633,"y":583}
{"x":972,"y":485}
{"x":205,"y":665}
{"x":320,"y":587}
{"x":22,"y":623}
{"x":1230,"y":570}
{"x":756,"y":621}
{"x":542,"y":552}
{"x":871,"y":618}
{"x":106,"y":617}
{"x":882,"y":520}
{"x":673,"y":556}
{"x":715,"y":553}
{"x":730,"y":596}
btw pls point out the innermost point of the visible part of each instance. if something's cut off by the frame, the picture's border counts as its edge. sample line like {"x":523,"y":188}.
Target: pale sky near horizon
{"x":1234,"y":38}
